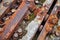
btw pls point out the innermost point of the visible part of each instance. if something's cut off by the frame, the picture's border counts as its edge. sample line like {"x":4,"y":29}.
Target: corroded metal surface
{"x":13,"y":21}
{"x":34,"y":25}
{"x":16,"y":21}
{"x":49,"y":24}
{"x":4,"y":6}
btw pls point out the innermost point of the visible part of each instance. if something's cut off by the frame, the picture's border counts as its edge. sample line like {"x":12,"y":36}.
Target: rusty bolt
{"x":15,"y":34}
{"x":19,"y":31}
{"x":13,"y":10}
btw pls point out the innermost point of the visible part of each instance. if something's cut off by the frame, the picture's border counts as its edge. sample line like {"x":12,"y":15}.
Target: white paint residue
{"x":32,"y":28}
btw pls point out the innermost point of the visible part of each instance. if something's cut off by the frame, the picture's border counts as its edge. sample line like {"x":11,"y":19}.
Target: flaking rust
{"x":22,"y":19}
{"x":51,"y":22}
{"x":36,"y":22}
{"x":11,"y":24}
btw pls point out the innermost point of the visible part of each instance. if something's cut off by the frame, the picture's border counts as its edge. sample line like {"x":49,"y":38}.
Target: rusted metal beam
{"x":41,"y":13}
{"x":51,"y":22}
{"x":12,"y":23}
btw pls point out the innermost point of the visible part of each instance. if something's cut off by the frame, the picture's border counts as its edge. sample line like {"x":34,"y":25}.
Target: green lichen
{"x":32,"y":16}
{"x":42,"y":1}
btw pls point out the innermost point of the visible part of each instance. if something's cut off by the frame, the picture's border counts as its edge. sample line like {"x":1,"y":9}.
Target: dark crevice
{"x":44,"y":21}
{"x":52,"y":6}
{"x":49,"y":11}
{"x":36,"y":36}
{"x":58,"y":15}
